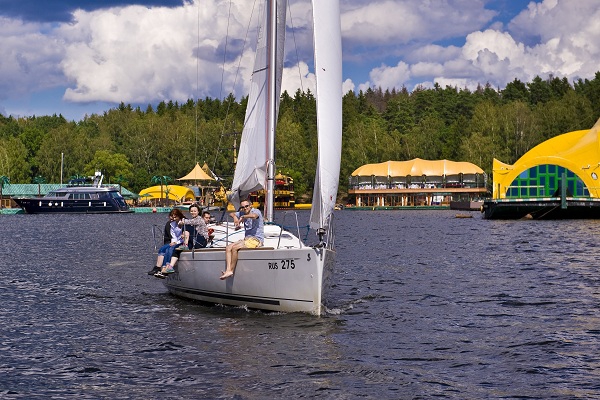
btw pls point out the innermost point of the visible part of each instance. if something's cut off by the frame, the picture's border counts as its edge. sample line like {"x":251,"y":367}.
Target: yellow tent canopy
{"x":173,"y":192}
{"x":196,"y":174}
{"x":417,"y":167}
{"x":577,"y":151}
{"x":208,"y":171}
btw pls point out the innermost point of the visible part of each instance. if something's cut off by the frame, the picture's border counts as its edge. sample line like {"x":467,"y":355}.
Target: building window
{"x":545,"y":181}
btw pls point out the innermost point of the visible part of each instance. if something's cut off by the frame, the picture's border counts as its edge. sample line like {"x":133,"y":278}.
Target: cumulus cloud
{"x":141,"y":54}
{"x":30,"y":60}
{"x":557,"y":37}
{"x":136,"y":54}
{"x":296,"y":77}
{"x":390,"y":77}
{"x":567,"y":32}
{"x":426,"y":69}
{"x":401,"y":21}
{"x":433,"y":53}
{"x":348,"y":86}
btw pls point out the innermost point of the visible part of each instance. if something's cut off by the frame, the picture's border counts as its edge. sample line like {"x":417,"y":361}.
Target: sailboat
{"x":285,"y":274}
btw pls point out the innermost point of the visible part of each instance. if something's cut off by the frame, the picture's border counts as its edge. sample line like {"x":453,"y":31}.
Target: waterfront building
{"x":556,"y":179}
{"x":416,"y":183}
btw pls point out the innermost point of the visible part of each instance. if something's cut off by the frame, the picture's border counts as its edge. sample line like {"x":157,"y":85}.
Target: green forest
{"x":131,"y":145}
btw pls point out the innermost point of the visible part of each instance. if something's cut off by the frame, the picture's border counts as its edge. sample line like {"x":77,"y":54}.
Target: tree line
{"x":131,"y":145}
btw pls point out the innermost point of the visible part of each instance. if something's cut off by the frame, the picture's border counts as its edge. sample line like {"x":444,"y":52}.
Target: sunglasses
{"x":246,"y":206}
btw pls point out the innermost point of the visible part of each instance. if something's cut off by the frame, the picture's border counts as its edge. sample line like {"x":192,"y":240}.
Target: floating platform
{"x":542,"y":208}
{"x":466,"y":205}
{"x":376,"y":208}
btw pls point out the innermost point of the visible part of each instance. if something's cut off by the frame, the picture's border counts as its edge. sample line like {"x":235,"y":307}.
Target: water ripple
{"x":423,"y":305}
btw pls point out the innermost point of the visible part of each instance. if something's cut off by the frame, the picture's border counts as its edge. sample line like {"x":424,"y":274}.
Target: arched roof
{"x":418,"y":167}
{"x":175,"y":192}
{"x":578,"y":151}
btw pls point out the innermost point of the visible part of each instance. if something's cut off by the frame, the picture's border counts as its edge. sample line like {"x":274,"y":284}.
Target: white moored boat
{"x":285,"y":274}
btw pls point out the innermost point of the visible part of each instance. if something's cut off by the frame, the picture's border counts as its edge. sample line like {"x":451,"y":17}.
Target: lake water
{"x":424,"y":305}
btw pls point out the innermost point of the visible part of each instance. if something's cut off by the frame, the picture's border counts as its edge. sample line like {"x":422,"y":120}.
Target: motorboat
{"x":79,"y":196}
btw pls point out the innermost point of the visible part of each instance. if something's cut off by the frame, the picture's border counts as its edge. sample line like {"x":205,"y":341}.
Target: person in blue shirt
{"x":165,"y":253}
{"x":252,"y":221}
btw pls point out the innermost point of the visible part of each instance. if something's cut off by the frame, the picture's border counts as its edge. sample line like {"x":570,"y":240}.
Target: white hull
{"x":283,"y":276}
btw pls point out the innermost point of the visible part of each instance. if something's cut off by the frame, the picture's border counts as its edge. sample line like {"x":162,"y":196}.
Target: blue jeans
{"x":166,"y":251}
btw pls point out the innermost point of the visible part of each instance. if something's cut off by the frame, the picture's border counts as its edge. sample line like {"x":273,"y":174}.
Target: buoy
{"x":154,"y":210}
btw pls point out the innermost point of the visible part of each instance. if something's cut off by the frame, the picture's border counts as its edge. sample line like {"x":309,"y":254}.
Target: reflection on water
{"x":423,"y":305}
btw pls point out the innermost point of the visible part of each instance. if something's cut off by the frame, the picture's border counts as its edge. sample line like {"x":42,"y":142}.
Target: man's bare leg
{"x":231,"y":256}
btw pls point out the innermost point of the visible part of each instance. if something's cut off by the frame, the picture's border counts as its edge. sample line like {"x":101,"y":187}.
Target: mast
{"x":271,"y":107}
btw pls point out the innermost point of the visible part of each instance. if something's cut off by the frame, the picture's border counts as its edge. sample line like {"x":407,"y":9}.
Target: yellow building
{"x":416,"y":183}
{"x":540,"y":171}
{"x":175,"y":193}
{"x":556,"y":179}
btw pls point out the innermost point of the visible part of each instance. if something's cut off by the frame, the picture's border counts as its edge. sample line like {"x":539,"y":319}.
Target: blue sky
{"x":78,"y":57}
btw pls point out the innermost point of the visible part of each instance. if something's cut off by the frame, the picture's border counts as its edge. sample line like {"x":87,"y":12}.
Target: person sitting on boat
{"x":165,"y":253}
{"x":198,"y":243}
{"x":195,"y":228}
{"x":166,"y":240}
{"x":252,"y":220}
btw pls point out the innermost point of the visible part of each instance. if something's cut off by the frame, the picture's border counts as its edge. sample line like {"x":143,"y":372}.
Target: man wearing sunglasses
{"x":252,"y":221}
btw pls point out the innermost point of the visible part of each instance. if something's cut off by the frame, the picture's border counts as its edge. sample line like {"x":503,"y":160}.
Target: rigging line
{"x":294,"y":110}
{"x":225,"y":50}
{"x":197,"y":80}
{"x":295,"y":45}
{"x":237,"y":73}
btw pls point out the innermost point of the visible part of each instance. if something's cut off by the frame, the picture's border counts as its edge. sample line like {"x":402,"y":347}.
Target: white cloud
{"x":348,"y":86}
{"x":142,"y":55}
{"x":390,"y":22}
{"x":298,"y":77}
{"x":29,"y":60}
{"x":426,"y":69}
{"x":501,"y":44}
{"x":136,"y":54}
{"x":457,"y":83}
{"x":390,"y":77}
{"x":496,"y":55}
{"x":567,"y":34}
{"x":558,"y":37}
{"x":433,"y":53}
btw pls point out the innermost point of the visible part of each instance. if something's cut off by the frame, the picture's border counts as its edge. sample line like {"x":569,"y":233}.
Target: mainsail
{"x":328,"y":70}
{"x":255,"y":157}
{"x":251,"y":168}
{"x":302,"y":281}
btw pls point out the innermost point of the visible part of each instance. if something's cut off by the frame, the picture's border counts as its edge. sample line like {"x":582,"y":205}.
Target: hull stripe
{"x":226,"y":296}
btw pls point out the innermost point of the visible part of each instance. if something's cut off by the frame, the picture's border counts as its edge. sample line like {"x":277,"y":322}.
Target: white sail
{"x":251,"y":167}
{"x":328,"y":70}
{"x":285,"y":274}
